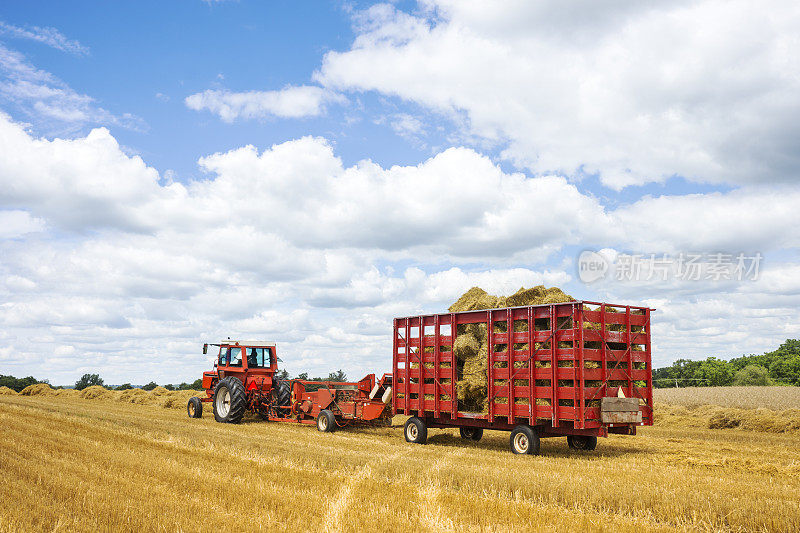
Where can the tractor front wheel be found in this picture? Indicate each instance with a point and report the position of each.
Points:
(326, 421)
(194, 408)
(229, 400)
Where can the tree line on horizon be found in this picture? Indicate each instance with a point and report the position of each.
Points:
(88, 380)
(779, 367)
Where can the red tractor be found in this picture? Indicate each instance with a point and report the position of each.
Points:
(244, 380)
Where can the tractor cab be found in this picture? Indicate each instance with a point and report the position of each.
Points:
(253, 362)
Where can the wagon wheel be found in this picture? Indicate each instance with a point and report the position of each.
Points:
(582, 442)
(524, 440)
(471, 433)
(416, 431)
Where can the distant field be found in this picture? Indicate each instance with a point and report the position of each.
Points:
(775, 398)
(73, 464)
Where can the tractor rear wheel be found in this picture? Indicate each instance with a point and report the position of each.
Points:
(229, 400)
(524, 440)
(326, 421)
(282, 394)
(582, 442)
(471, 433)
(416, 431)
(194, 408)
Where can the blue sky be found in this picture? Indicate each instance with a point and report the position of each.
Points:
(401, 153)
(144, 65)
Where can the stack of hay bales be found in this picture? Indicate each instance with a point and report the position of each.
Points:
(37, 390)
(472, 344)
(95, 392)
(158, 396)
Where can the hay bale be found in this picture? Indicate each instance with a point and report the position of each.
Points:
(133, 396)
(179, 398)
(94, 392)
(466, 347)
(158, 391)
(471, 345)
(40, 389)
(5, 391)
(476, 298)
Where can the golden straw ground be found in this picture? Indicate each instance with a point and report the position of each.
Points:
(75, 464)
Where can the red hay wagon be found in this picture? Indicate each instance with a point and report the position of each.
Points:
(578, 369)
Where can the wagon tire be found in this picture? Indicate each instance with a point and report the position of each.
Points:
(194, 408)
(415, 431)
(326, 421)
(582, 442)
(471, 433)
(524, 440)
(229, 400)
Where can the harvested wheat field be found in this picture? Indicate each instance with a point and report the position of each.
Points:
(774, 398)
(78, 464)
(766, 409)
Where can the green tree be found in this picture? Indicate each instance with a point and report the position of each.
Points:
(150, 386)
(88, 380)
(716, 372)
(125, 386)
(752, 375)
(18, 383)
(339, 375)
(282, 374)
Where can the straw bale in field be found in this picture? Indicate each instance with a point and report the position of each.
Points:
(158, 391)
(5, 391)
(94, 392)
(40, 389)
(472, 347)
(177, 399)
(133, 396)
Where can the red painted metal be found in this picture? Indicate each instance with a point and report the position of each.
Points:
(581, 327)
(349, 402)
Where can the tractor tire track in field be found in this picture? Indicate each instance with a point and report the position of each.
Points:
(343, 499)
(431, 513)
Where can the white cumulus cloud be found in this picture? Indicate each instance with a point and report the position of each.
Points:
(290, 102)
(635, 92)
